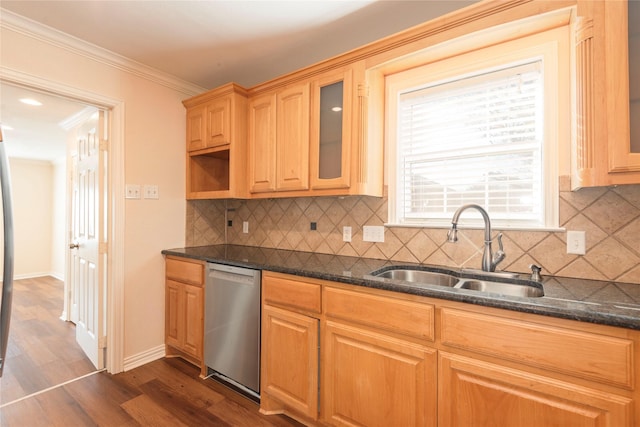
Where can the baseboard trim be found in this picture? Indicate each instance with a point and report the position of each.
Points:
(143, 358)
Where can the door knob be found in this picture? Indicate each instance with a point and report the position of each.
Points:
(74, 245)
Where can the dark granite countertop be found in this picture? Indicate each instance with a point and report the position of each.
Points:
(601, 302)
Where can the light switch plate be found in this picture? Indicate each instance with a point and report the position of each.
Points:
(151, 192)
(245, 226)
(132, 191)
(373, 233)
(576, 242)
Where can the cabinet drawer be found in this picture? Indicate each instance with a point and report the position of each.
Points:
(395, 315)
(291, 292)
(586, 355)
(185, 271)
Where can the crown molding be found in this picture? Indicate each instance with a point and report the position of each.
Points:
(46, 34)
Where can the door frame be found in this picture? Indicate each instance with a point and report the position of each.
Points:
(116, 215)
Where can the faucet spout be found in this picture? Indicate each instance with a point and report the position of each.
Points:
(489, 260)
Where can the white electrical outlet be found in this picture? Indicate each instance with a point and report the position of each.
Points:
(245, 226)
(373, 233)
(576, 242)
(151, 192)
(346, 234)
(132, 191)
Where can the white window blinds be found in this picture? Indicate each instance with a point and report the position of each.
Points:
(474, 139)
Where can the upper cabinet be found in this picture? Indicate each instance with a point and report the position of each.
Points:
(320, 130)
(279, 140)
(196, 128)
(331, 118)
(310, 139)
(217, 143)
(607, 46)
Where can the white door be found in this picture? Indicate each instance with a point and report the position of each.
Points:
(88, 255)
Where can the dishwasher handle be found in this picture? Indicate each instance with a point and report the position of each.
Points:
(232, 274)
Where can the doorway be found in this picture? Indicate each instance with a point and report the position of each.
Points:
(46, 132)
(114, 273)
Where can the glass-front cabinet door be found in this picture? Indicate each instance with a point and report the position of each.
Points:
(624, 138)
(331, 127)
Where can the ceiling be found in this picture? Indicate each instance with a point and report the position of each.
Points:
(38, 132)
(206, 43)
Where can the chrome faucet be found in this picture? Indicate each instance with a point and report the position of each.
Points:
(489, 260)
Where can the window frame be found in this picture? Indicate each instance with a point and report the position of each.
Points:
(550, 45)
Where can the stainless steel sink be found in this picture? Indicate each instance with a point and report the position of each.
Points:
(424, 277)
(510, 289)
(419, 276)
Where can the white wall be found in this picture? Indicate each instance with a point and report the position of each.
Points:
(31, 182)
(154, 144)
(58, 219)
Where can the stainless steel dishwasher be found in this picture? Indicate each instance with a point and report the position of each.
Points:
(232, 326)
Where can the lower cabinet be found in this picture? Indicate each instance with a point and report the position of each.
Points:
(290, 360)
(289, 348)
(377, 358)
(476, 393)
(371, 379)
(184, 318)
(184, 310)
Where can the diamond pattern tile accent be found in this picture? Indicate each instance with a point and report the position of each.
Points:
(611, 258)
(581, 269)
(631, 193)
(566, 211)
(551, 254)
(582, 198)
(630, 235)
(610, 212)
(609, 216)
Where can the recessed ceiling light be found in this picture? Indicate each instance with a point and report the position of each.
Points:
(336, 109)
(30, 101)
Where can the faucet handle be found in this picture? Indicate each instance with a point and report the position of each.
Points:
(499, 255)
(535, 273)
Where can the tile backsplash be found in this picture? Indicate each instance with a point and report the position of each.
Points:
(610, 216)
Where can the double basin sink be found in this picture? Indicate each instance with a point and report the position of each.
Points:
(501, 283)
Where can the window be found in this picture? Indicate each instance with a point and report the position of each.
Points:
(478, 128)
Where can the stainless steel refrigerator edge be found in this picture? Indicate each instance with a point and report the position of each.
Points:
(232, 326)
(7, 275)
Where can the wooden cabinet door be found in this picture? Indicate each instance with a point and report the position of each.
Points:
(196, 128)
(173, 313)
(262, 144)
(604, 152)
(477, 393)
(193, 320)
(370, 379)
(292, 129)
(290, 360)
(219, 122)
(184, 318)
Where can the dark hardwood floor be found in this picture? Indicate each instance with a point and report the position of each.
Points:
(166, 392)
(42, 354)
(42, 351)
